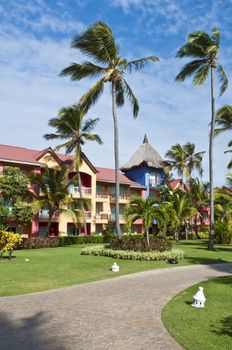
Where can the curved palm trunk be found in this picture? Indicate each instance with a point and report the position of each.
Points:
(211, 236)
(116, 157)
(82, 206)
(147, 237)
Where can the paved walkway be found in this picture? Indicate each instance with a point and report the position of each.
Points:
(121, 313)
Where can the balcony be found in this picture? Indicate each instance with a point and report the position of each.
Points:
(75, 191)
(122, 199)
(88, 215)
(102, 196)
(44, 214)
(113, 217)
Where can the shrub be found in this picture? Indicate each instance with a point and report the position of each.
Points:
(135, 243)
(203, 234)
(131, 255)
(39, 242)
(223, 232)
(9, 241)
(68, 240)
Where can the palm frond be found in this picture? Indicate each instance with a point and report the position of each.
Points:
(223, 120)
(119, 93)
(97, 42)
(222, 79)
(93, 137)
(216, 36)
(201, 75)
(190, 50)
(91, 97)
(79, 71)
(189, 69)
(90, 124)
(131, 97)
(140, 63)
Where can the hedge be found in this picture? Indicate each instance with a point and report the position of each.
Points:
(131, 255)
(139, 243)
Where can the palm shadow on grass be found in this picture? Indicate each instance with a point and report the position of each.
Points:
(225, 328)
(27, 333)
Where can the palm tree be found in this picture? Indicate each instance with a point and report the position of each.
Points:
(181, 203)
(71, 126)
(223, 122)
(53, 194)
(98, 43)
(193, 160)
(184, 160)
(204, 49)
(140, 208)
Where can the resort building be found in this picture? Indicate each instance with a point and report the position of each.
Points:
(143, 176)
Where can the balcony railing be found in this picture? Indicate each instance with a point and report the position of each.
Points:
(88, 214)
(102, 195)
(124, 197)
(102, 216)
(86, 191)
(44, 213)
(113, 217)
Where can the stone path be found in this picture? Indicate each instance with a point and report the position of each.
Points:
(121, 313)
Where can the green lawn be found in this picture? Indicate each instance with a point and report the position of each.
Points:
(209, 328)
(58, 267)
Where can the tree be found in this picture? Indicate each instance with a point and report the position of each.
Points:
(140, 208)
(53, 194)
(204, 49)
(71, 126)
(184, 160)
(98, 43)
(181, 203)
(223, 123)
(14, 194)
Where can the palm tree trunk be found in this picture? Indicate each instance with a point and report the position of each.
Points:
(50, 215)
(82, 206)
(211, 236)
(116, 157)
(147, 236)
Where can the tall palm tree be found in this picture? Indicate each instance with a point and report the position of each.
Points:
(223, 123)
(98, 43)
(204, 49)
(70, 125)
(193, 160)
(53, 194)
(184, 160)
(144, 209)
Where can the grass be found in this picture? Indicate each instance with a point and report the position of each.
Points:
(209, 328)
(51, 268)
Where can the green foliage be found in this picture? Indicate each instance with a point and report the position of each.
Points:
(203, 234)
(139, 244)
(8, 241)
(132, 255)
(14, 184)
(69, 240)
(167, 219)
(223, 232)
(39, 242)
(110, 227)
(23, 212)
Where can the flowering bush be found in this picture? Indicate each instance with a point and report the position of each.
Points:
(131, 255)
(9, 241)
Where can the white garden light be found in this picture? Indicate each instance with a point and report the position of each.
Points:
(199, 298)
(115, 267)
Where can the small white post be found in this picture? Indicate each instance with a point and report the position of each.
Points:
(115, 267)
(199, 298)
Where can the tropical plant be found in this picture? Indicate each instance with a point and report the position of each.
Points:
(8, 241)
(53, 194)
(223, 123)
(204, 49)
(184, 160)
(71, 125)
(140, 208)
(98, 43)
(181, 203)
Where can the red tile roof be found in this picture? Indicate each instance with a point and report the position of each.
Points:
(174, 183)
(19, 154)
(108, 175)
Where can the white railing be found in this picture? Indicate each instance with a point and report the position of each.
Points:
(88, 214)
(44, 213)
(75, 190)
(102, 216)
(113, 217)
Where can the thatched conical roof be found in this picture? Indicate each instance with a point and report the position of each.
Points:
(145, 154)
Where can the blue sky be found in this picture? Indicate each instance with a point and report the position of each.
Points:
(35, 41)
